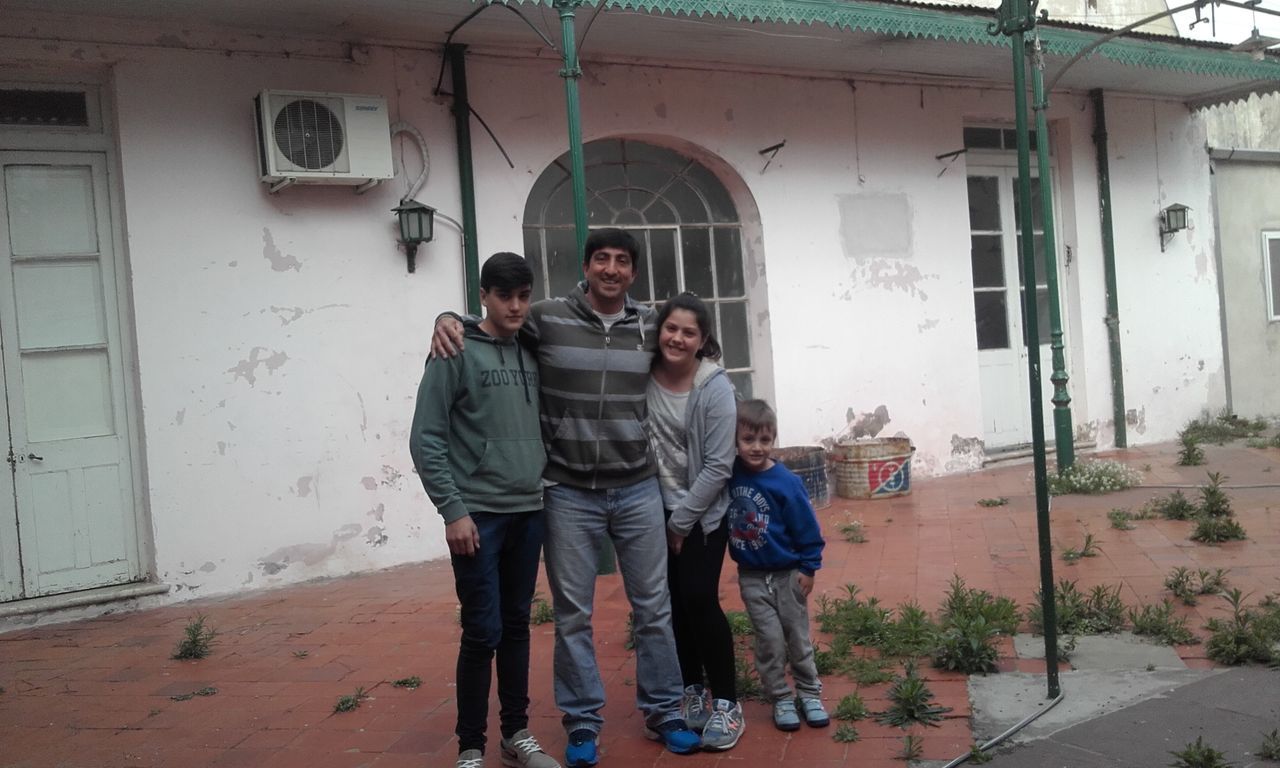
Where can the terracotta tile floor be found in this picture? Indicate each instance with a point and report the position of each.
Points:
(97, 693)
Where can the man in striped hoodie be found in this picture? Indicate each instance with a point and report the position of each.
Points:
(594, 350)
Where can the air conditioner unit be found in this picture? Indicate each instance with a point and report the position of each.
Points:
(322, 138)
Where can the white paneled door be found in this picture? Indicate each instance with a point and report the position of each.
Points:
(67, 510)
(999, 300)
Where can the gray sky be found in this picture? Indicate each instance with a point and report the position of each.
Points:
(1233, 24)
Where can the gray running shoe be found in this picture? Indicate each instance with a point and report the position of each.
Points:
(522, 751)
(725, 726)
(471, 758)
(695, 707)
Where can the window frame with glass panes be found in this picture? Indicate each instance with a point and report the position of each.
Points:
(684, 218)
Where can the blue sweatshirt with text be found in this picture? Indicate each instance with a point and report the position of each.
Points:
(772, 525)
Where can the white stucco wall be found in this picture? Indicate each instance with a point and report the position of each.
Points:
(280, 339)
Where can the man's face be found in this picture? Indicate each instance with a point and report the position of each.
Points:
(609, 272)
(505, 308)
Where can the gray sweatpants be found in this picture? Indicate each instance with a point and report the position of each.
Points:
(779, 613)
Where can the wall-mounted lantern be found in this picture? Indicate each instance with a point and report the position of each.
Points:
(1172, 220)
(417, 225)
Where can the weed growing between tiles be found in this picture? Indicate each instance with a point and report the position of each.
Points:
(1089, 548)
(845, 734)
(351, 701)
(911, 702)
(206, 691)
(1187, 585)
(540, 610)
(1197, 754)
(1093, 476)
(1160, 623)
(977, 756)
(851, 707)
(1248, 635)
(1000, 502)
(301, 654)
(1270, 749)
(912, 746)
(412, 683)
(197, 640)
(853, 532)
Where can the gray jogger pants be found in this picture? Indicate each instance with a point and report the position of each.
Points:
(779, 613)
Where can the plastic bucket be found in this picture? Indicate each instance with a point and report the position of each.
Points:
(873, 469)
(809, 462)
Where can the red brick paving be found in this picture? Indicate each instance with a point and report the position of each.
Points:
(96, 693)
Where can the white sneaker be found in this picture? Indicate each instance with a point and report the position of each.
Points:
(724, 727)
(695, 707)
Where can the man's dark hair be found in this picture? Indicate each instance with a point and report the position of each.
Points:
(757, 416)
(505, 271)
(611, 238)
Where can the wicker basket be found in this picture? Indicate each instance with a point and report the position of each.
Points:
(873, 469)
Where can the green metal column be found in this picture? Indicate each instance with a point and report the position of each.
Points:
(1062, 430)
(1014, 18)
(1109, 267)
(571, 72)
(457, 55)
(606, 561)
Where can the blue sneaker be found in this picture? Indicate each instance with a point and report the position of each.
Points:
(582, 751)
(676, 735)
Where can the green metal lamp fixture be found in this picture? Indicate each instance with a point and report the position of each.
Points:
(417, 226)
(1172, 220)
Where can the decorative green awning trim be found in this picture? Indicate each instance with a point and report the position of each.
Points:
(954, 26)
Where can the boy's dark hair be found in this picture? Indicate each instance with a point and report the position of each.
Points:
(689, 302)
(505, 271)
(611, 238)
(756, 415)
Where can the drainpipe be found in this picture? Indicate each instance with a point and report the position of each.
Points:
(457, 55)
(1062, 431)
(1109, 267)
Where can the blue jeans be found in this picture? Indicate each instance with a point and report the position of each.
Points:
(578, 519)
(495, 589)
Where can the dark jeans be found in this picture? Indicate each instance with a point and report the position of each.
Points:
(704, 642)
(495, 588)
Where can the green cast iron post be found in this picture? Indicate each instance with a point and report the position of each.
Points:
(606, 562)
(571, 72)
(1014, 19)
(1062, 431)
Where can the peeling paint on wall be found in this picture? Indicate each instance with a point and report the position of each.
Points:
(967, 453)
(375, 536)
(290, 314)
(927, 325)
(208, 567)
(1136, 418)
(222, 448)
(307, 554)
(369, 483)
(391, 476)
(377, 512)
(865, 424)
(246, 369)
(888, 274)
(1087, 432)
(303, 488)
(179, 416)
(279, 262)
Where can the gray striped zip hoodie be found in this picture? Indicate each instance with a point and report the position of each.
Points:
(593, 386)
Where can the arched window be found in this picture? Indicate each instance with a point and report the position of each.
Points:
(684, 218)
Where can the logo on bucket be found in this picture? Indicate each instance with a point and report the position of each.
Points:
(888, 476)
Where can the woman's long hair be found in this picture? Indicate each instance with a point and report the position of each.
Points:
(710, 348)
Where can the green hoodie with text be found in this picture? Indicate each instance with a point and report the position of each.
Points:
(476, 440)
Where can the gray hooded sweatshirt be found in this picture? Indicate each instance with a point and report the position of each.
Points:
(711, 420)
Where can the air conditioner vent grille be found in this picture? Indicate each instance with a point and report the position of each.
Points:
(309, 134)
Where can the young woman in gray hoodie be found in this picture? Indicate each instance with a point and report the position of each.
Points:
(691, 425)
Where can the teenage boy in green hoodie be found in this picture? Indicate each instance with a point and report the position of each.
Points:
(477, 445)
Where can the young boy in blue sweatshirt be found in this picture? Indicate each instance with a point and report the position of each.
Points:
(477, 445)
(775, 540)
